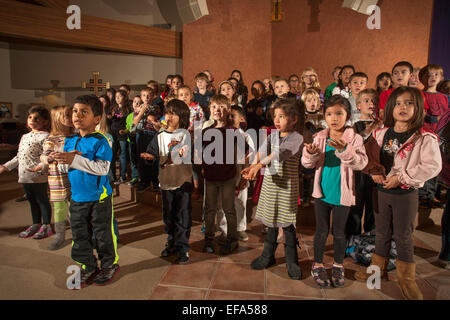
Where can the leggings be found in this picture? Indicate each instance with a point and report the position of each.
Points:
(37, 195)
(60, 210)
(340, 214)
(395, 219)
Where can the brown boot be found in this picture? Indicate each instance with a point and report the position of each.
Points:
(382, 263)
(406, 274)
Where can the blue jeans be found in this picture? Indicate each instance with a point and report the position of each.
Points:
(120, 146)
(445, 251)
(133, 158)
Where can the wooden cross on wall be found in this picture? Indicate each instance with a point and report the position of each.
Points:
(277, 11)
(96, 84)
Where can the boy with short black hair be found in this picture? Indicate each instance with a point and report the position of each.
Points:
(401, 73)
(87, 157)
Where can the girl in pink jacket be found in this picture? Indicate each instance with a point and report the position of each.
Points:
(335, 153)
(402, 156)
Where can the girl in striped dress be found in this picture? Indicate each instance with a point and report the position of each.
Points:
(278, 203)
(58, 182)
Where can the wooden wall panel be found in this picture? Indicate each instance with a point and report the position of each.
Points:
(48, 24)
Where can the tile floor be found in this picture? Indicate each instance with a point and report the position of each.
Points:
(215, 277)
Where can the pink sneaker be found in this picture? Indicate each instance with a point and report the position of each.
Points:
(30, 231)
(44, 232)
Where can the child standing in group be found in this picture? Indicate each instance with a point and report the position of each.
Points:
(177, 82)
(228, 89)
(158, 101)
(401, 73)
(132, 150)
(344, 79)
(278, 202)
(118, 131)
(430, 76)
(171, 147)
(330, 88)
(87, 157)
(403, 155)
(294, 83)
(197, 117)
(256, 109)
(335, 153)
(314, 122)
(414, 80)
(383, 82)
(309, 79)
(202, 96)
(241, 88)
(240, 200)
(58, 181)
(35, 184)
(220, 176)
(185, 94)
(367, 104)
(146, 125)
(167, 87)
(358, 82)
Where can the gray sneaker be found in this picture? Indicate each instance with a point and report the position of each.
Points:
(243, 236)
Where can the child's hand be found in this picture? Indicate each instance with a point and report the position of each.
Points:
(391, 183)
(376, 124)
(183, 151)
(51, 157)
(147, 156)
(35, 169)
(66, 157)
(122, 132)
(3, 169)
(250, 173)
(378, 178)
(312, 148)
(144, 109)
(339, 145)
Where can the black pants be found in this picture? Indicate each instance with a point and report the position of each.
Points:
(340, 215)
(148, 171)
(363, 194)
(87, 218)
(176, 208)
(37, 196)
